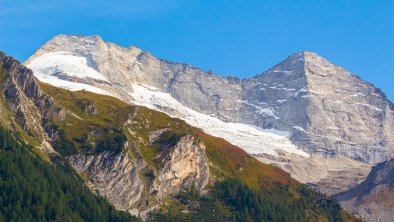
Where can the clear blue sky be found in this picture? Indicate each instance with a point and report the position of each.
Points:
(240, 38)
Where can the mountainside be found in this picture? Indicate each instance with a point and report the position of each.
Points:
(301, 109)
(322, 108)
(141, 160)
(373, 199)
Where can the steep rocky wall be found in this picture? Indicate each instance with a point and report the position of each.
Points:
(113, 176)
(122, 179)
(25, 101)
(187, 165)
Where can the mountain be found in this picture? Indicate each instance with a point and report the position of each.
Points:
(373, 199)
(78, 143)
(302, 109)
(323, 109)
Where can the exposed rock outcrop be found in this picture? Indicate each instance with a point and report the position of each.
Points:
(113, 176)
(122, 179)
(185, 166)
(30, 109)
(18, 89)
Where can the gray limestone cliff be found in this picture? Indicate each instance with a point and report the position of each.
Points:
(122, 179)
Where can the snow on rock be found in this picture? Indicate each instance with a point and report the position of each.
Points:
(266, 112)
(252, 139)
(72, 86)
(49, 68)
(63, 63)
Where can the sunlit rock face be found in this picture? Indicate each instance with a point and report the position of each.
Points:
(121, 179)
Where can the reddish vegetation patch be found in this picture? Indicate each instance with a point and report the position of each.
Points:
(235, 162)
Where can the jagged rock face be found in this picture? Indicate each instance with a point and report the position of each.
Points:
(373, 199)
(347, 116)
(113, 176)
(22, 96)
(187, 165)
(328, 111)
(118, 178)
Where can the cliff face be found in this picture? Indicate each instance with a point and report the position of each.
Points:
(373, 199)
(113, 176)
(24, 106)
(186, 165)
(18, 86)
(328, 111)
(122, 179)
(331, 111)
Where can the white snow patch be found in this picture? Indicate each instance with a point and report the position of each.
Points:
(289, 89)
(357, 94)
(283, 71)
(67, 63)
(252, 139)
(367, 105)
(265, 111)
(72, 86)
(299, 128)
(46, 67)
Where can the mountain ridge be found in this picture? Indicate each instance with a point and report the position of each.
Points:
(291, 91)
(98, 38)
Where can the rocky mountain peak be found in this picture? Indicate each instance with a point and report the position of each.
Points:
(291, 65)
(93, 48)
(306, 63)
